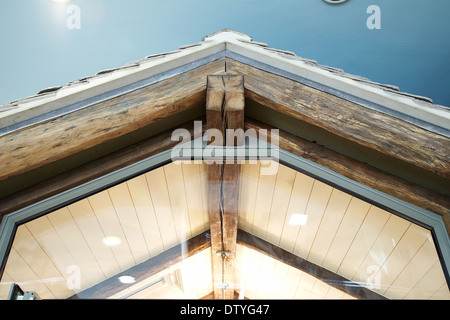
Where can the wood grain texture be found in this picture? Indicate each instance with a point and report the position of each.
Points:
(90, 171)
(215, 224)
(381, 132)
(50, 141)
(224, 112)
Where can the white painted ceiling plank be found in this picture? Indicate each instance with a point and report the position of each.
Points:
(94, 236)
(348, 229)
(315, 209)
(331, 220)
(31, 252)
(298, 202)
(363, 241)
(158, 190)
(104, 211)
(193, 184)
(146, 214)
(126, 213)
(73, 240)
(178, 201)
(280, 203)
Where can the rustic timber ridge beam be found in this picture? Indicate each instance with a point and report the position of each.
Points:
(352, 288)
(148, 268)
(224, 114)
(59, 138)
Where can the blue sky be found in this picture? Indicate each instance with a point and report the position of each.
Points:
(411, 50)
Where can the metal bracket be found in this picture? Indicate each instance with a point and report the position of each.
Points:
(224, 254)
(16, 293)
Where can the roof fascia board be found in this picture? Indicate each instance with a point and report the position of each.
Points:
(233, 45)
(434, 123)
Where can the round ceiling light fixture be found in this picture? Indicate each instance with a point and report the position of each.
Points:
(127, 279)
(335, 1)
(111, 241)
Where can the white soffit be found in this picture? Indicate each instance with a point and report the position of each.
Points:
(106, 84)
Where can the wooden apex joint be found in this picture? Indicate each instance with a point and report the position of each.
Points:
(225, 109)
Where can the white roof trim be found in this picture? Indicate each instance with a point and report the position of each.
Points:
(223, 41)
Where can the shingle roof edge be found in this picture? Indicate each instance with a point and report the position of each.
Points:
(232, 39)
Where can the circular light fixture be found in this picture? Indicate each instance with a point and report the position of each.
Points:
(60, 1)
(127, 279)
(111, 241)
(298, 219)
(335, 1)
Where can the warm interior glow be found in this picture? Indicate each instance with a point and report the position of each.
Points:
(298, 219)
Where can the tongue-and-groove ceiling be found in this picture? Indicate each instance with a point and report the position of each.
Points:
(155, 211)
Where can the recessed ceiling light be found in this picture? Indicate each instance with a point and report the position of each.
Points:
(298, 219)
(111, 241)
(60, 1)
(127, 279)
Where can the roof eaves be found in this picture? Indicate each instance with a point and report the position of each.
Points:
(382, 97)
(388, 95)
(337, 71)
(135, 71)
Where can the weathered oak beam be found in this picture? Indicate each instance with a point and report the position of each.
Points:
(359, 172)
(224, 114)
(148, 268)
(47, 142)
(375, 130)
(331, 278)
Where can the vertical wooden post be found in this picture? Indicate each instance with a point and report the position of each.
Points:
(225, 116)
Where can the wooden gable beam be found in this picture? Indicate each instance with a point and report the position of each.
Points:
(333, 279)
(91, 170)
(154, 105)
(224, 114)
